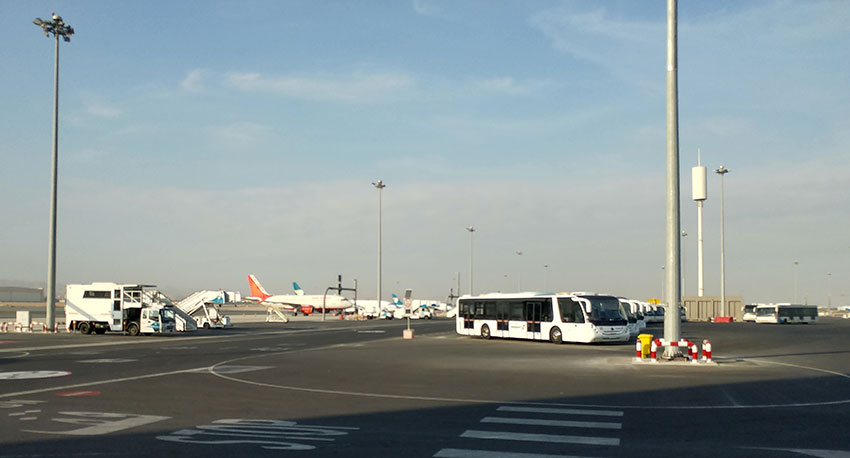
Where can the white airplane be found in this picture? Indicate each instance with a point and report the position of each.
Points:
(298, 302)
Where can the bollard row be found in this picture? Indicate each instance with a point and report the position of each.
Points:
(687, 344)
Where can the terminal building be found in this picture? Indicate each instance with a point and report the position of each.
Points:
(21, 294)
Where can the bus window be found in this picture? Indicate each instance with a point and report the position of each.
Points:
(517, 312)
(546, 311)
(570, 310)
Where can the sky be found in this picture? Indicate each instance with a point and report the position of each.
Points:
(202, 141)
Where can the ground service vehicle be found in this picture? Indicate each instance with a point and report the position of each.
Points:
(101, 307)
(750, 312)
(558, 318)
(786, 313)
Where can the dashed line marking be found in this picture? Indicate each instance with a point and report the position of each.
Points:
(551, 438)
(561, 423)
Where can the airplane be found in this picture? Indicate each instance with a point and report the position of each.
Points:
(298, 302)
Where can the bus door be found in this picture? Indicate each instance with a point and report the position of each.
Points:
(533, 312)
(503, 316)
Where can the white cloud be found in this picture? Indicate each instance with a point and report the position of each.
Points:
(101, 110)
(193, 82)
(355, 87)
(424, 7)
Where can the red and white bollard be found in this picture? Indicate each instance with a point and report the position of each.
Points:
(653, 350)
(706, 350)
(639, 355)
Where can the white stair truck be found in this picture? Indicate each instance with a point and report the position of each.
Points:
(202, 306)
(101, 307)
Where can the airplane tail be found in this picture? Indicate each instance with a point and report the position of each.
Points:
(298, 290)
(257, 290)
(396, 301)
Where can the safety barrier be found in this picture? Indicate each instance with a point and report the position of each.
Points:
(14, 326)
(706, 350)
(692, 347)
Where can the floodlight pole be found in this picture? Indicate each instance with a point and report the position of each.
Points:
(722, 171)
(58, 28)
(471, 230)
(673, 226)
(380, 186)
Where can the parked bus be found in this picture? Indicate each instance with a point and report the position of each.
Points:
(750, 312)
(786, 313)
(558, 318)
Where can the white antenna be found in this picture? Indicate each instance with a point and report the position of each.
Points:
(699, 188)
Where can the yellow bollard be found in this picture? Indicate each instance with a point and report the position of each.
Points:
(645, 344)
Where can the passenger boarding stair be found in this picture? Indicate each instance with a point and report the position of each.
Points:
(208, 301)
(275, 314)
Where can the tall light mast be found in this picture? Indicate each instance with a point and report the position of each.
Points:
(700, 193)
(673, 226)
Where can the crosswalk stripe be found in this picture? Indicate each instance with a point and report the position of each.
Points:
(601, 413)
(464, 453)
(538, 422)
(554, 438)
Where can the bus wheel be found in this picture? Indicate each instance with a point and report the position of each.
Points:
(555, 335)
(485, 332)
(133, 329)
(84, 327)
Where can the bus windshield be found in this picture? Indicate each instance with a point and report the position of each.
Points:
(605, 310)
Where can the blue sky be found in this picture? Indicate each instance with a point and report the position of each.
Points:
(203, 141)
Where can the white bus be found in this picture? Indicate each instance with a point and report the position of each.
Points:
(786, 313)
(750, 312)
(558, 318)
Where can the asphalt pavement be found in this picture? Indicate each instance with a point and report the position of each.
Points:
(356, 388)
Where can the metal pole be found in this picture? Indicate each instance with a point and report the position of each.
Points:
(545, 277)
(684, 264)
(700, 272)
(57, 27)
(471, 230)
(380, 185)
(51, 249)
(671, 318)
(722, 171)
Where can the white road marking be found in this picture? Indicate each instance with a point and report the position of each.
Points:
(551, 438)
(560, 423)
(107, 360)
(98, 382)
(464, 453)
(269, 434)
(14, 404)
(23, 354)
(600, 413)
(99, 423)
(235, 369)
(21, 375)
